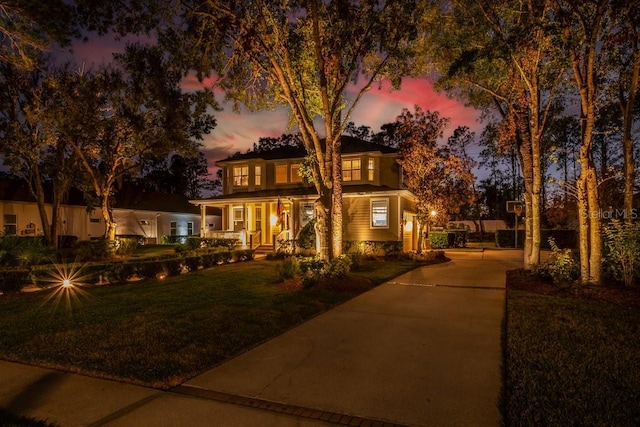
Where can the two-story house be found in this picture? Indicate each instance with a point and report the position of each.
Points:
(265, 199)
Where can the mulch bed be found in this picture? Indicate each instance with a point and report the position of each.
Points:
(351, 283)
(522, 280)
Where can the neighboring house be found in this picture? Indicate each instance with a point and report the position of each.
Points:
(265, 199)
(149, 216)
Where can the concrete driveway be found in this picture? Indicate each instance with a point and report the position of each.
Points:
(421, 350)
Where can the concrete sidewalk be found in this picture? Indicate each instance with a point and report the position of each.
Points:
(421, 350)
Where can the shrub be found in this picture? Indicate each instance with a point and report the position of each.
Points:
(193, 262)
(149, 269)
(562, 238)
(312, 270)
(288, 268)
(223, 257)
(276, 255)
(561, 268)
(307, 237)
(339, 267)
(622, 250)
(243, 254)
(173, 240)
(14, 280)
(126, 245)
(372, 247)
(208, 259)
(120, 272)
(439, 239)
(96, 249)
(228, 244)
(23, 251)
(173, 267)
(67, 241)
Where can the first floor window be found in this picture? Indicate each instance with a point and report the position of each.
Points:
(190, 229)
(10, 224)
(351, 170)
(306, 212)
(173, 227)
(240, 176)
(380, 213)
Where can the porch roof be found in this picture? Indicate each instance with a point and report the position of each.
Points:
(301, 192)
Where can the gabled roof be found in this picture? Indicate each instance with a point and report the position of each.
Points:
(350, 145)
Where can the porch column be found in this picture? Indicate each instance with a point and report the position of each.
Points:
(203, 221)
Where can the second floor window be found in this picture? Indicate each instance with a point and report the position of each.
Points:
(351, 170)
(240, 176)
(371, 170)
(282, 174)
(295, 173)
(258, 175)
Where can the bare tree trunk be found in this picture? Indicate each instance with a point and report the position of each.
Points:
(595, 238)
(35, 185)
(323, 226)
(583, 229)
(420, 237)
(336, 200)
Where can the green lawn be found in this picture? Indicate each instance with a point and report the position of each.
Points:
(571, 362)
(162, 332)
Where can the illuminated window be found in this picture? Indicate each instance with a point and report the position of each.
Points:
(240, 176)
(238, 218)
(295, 173)
(380, 213)
(258, 173)
(351, 170)
(282, 174)
(10, 224)
(307, 212)
(371, 169)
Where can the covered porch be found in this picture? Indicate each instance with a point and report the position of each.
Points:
(258, 222)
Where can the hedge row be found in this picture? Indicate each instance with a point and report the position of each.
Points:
(448, 239)
(563, 238)
(118, 272)
(373, 247)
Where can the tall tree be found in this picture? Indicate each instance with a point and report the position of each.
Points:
(584, 26)
(135, 110)
(622, 51)
(31, 107)
(303, 54)
(500, 57)
(441, 180)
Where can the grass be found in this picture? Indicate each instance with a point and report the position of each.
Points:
(571, 362)
(161, 333)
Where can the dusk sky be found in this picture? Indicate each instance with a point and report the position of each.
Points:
(238, 131)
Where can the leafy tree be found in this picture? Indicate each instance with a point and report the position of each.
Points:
(133, 111)
(267, 144)
(583, 27)
(500, 56)
(304, 55)
(28, 28)
(176, 174)
(621, 47)
(441, 180)
(31, 108)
